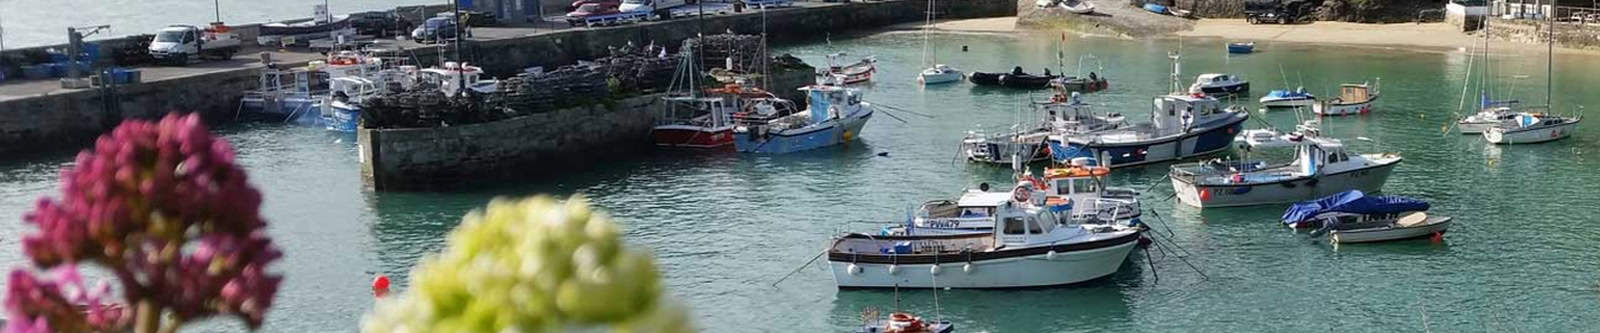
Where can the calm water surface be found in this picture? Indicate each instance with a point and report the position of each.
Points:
(724, 227)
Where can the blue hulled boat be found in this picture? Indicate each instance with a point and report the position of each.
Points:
(1181, 126)
(1242, 47)
(834, 115)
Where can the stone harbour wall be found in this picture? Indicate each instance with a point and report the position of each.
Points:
(523, 147)
(1568, 34)
(72, 119)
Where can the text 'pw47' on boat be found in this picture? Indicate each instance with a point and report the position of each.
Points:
(1529, 127)
(1321, 167)
(1030, 246)
(834, 115)
(857, 72)
(1353, 99)
(1062, 115)
(1355, 217)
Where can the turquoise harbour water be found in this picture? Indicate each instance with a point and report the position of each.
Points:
(725, 227)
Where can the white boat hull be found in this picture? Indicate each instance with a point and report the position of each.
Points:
(1389, 233)
(1470, 127)
(1343, 109)
(1023, 271)
(937, 77)
(1369, 180)
(1536, 135)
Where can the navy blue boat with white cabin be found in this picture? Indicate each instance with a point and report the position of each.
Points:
(1181, 126)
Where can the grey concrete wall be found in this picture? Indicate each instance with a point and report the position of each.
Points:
(72, 119)
(522, 147)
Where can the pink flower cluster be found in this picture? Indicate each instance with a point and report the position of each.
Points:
(163, 207)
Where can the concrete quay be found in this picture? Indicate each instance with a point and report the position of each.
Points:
(39, 116)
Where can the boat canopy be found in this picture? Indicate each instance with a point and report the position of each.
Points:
(1354, 202)
(1288, 93)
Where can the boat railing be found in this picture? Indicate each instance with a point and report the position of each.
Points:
(1217, 167)
(892, 246)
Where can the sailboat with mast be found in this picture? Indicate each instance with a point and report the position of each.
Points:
(1537, 127)
(1490, 112)
(939, 73)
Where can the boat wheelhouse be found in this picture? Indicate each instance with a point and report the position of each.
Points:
(1353, 99)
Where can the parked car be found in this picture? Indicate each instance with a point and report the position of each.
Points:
(585, 11)
(1277, 11)
(602, 3)
(440, 28)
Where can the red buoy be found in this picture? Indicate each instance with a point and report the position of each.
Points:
(380, 286)
(1205, 194)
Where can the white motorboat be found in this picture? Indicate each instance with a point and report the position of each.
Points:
(1288, 99)
(1219, 84)
(1532, 128)
(1354, 217)
(1061, 115)
(940, 73)
(1079, 7)
(1353, 99)
(1030, 246)
(1322, 166)
(852, 73)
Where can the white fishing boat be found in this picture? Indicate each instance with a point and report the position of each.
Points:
(1030, 246)
(1181, 126)
(1079, 7)
(1063, 114)
(938, 73)
(1354, 217)
(1322, 166)
(1219, 84)
(1353, 99)
(852, 73)
(1532, 128)
(834, 115)
(1288, 98)
(1078, 192)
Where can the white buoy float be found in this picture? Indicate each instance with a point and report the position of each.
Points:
(967, 268)
(933, 270)
(1050, 255)
(894, 269)
(853, 269)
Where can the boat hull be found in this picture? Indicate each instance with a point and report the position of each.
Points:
(1037, 270)
(1342, 109)
(1025, 81)
(294, 110)
(1370, 179)
(1372, 235)
(936, 77)
(1530, 135)
(1170, 148)
(1288, 102)
(808, 138)
(1241, 48)
(1470, 127)
(983, 151)
(692, 137)
(341, 118)
(1226, 90)
(984, 79)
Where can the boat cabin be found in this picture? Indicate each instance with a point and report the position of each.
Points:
(352, 89)
(1016, 226)
(1215, 80)
(708, 112)
(450, 77)
(1177, 113)
(1318, 153)
(1355, 93)
(828, 101)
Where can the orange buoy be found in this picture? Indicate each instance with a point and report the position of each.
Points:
(380, 285)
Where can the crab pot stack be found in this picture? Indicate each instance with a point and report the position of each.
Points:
(563, 87)
(425, 108)
(747, 52)
(641, 72)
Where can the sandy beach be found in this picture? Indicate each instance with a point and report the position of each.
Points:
(1425, 35)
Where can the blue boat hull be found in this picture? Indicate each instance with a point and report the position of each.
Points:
(1204, 141)
(1241, 49)
(342, 119)
(782, 142)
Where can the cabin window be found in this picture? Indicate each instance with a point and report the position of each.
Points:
(1085, 186)
(1033, 226)
(1349, 219)
(1014, 225)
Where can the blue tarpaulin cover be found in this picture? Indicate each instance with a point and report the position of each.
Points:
(1352, 201)
(1288, 93)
